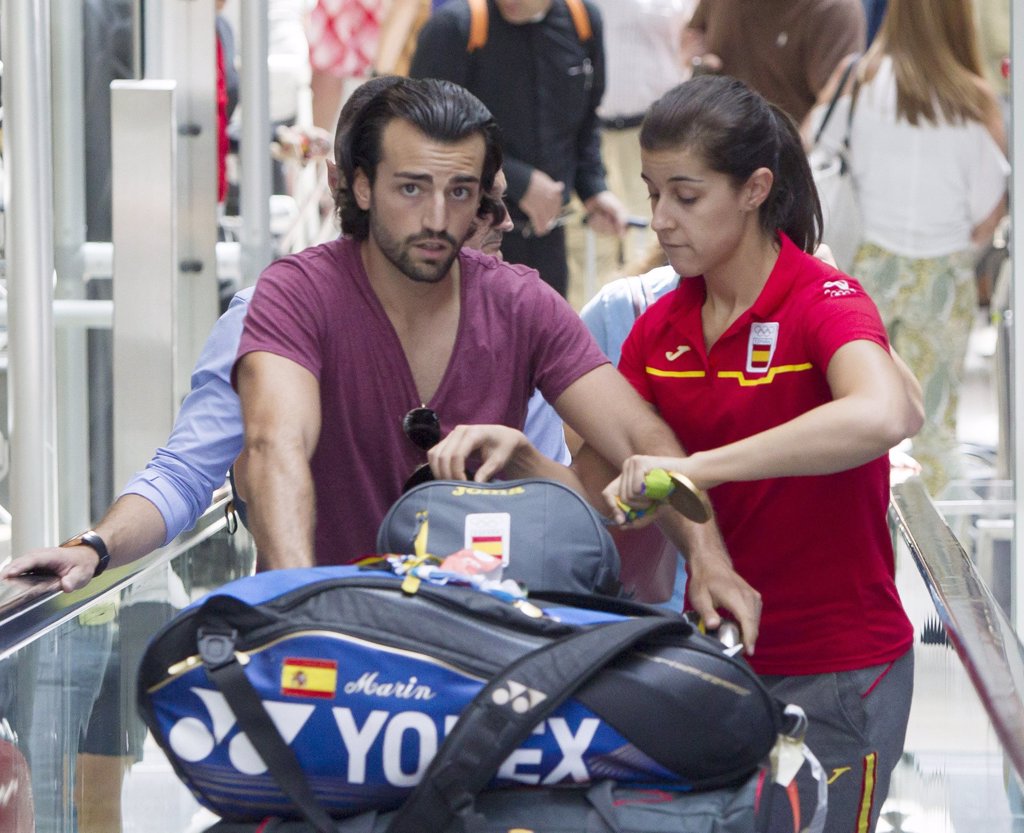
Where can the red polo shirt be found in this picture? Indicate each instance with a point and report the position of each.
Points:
(817, 548)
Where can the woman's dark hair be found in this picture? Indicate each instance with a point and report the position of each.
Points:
(441, 110)
(736, 132)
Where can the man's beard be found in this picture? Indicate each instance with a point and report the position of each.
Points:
(398, 253)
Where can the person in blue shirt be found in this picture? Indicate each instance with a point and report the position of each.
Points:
(651, 567)
(176, 486)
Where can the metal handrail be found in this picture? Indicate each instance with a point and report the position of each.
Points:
(27, 613)
(975, 624)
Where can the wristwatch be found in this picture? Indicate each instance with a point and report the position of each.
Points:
(91, 539)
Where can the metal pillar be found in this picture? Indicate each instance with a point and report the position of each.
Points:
(254, 186)
(1017, 299)
(146, 268)
(180, 44)
(69, 240)
(31, 388)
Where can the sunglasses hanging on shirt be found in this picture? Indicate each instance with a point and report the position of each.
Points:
(423, 428)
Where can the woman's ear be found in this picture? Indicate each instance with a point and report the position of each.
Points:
(362, 189)
(756, 189)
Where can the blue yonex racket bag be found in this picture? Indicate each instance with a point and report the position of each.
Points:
(335, 686)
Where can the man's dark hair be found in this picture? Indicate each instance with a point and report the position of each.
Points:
(359, 98)
(441, 110)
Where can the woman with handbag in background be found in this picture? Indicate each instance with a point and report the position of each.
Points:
(927, 155)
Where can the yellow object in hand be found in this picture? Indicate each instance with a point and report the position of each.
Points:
(658, 484)
(661, 485)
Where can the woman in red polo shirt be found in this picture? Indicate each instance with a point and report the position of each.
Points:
(775, 372)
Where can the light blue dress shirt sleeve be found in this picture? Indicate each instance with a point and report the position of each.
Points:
(610, 315)
(207, 434)
(543, 428)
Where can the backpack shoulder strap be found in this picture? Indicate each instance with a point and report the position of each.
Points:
(637, 296)
(478, 25)
(508, 708)
(580, 19)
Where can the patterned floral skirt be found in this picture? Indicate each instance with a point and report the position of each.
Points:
(928, 307)
(343, 36)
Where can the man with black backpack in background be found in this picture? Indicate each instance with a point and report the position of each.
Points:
(538, 66)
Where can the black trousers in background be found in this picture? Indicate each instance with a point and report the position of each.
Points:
(545, 254)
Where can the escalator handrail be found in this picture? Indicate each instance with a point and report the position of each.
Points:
(26, 617)
(975, 624)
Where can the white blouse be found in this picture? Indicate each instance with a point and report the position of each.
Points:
(923, 188)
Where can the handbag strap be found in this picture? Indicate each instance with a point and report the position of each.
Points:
(640, 295)
(506, 711)
(217, 650)
(849, 113)
(835, 100)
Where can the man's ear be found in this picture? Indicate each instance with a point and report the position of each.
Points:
(756, 188)
(362, 189)
(333, 176)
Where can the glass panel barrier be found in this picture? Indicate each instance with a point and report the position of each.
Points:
(67, 690)
(964, 753)
(67, 704)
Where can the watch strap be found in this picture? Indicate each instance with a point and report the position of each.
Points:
(91, 539)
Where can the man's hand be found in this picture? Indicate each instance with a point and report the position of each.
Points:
(616, 497)
(74, 566)
(712, 583)
(495, 445)
(606, 214)
(132, 527)
(500, 450)
(542, 202)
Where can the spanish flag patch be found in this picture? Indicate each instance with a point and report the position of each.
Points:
(490, 544)
(764, 336)
(309, 678)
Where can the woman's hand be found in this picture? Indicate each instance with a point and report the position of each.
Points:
(629, 487)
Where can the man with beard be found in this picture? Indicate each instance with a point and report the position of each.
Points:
(345, 340)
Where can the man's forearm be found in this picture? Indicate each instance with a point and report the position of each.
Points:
(649, 432)
(281, 499)
(612, 418)
(693, 540)
(132, 528)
